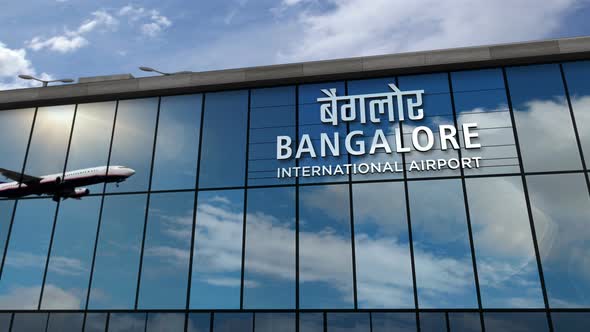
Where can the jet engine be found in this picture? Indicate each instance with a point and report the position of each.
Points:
(77, 193)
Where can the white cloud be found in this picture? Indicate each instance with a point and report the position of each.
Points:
(153, 22)
(354, 27)
(71, 41)
(12, 63)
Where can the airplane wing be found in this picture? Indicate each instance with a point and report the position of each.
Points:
(19, 177)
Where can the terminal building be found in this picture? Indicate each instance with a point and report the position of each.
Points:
(430, 191)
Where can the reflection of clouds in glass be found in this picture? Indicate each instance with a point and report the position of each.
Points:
(581, 107)
(546, 136)
(560, 204)
(503, 243)
(28, 298)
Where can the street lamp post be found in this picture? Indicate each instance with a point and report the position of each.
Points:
(152, 70)
(45, 82)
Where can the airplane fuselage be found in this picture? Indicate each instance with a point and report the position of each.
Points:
(65, 184)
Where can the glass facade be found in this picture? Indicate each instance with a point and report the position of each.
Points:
(204, 236)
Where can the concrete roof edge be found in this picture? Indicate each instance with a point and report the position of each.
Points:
(471, 57)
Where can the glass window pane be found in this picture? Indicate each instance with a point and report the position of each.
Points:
(272, 114)
(576, 74)
(114, 282)
(133, 142)
(348, 322)
(232, 322)
(383, 264)
(127, 322)
(65, 322)
(311, 322)
(543, 121)
(95, 322)
(5, 319)
(15, 128)
(438, 110)
(68, 272)
(166, 251)
(91, 139)
(515, 321)
(164, 322)
(442, 254)
(29, 322)
(269, 276)
(325, 250)
(223, 151)
(369, 87)
(199, 322)
(49, 143)
(399, 322)
(6, 210)
(433, 322)
(506, 261)
(561, 210)
(177, 144)
(20, 286)
(464, 322)
(272, 322)
(570, 321)
(480, 97)
(217, 257)
(310, 123)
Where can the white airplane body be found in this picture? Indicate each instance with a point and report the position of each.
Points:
(61, 185)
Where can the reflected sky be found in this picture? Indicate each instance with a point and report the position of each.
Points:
(367, 87)
(444, 269)
(127, 322)
(269, 280)
(198, 322)
(166, 251)
(116, 266)
(400, 322)
(543, 121)
(506, 262)
(325, 249)
(71, 255)
(217, 261)
(49, 143)
(233, 322)
(348, 322)
(311, 322)
(433, 322)
(576, 74)
(310, 123)
(383, 263)
(91, 138)
(480, 97)
(177, 143)
(133, 142)
(6, 209)
(437, 110)
(95, 322)
(223, 152)
(510, 321)
(464, 322)
(272, 114)
(65, 322)
(27, 322)
(272, 322)
(20, 286)
(15, 127)
(163, 322)
(561, 210)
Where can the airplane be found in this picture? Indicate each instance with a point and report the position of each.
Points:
(66, 185)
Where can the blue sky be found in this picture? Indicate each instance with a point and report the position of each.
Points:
(74, 38)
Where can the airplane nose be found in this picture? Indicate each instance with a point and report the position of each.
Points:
(131, 172)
